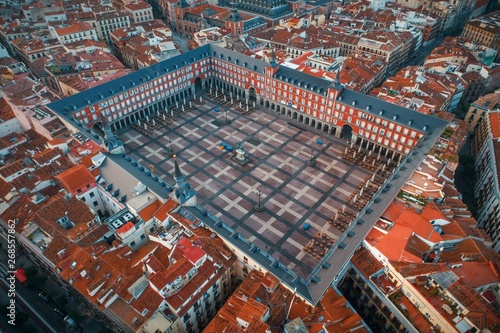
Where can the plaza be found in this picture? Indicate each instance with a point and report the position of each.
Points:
(295, 196)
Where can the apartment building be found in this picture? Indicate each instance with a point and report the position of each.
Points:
(485, 149)
(139, 11)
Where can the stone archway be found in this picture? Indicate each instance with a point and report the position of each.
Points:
(346, 132)
(198, 84)
(252, 95)
(97, 128)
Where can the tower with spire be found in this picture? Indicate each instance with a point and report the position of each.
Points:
(112, 143)
(183, 193)
(235, 22)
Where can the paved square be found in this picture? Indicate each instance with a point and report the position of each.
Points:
(293, 193)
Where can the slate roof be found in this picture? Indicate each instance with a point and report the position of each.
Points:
(404, 115)
(115, 87)
(306, 81)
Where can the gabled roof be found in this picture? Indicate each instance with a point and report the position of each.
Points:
(162, 213)
(75, 178)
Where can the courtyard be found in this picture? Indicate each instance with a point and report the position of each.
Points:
(306, 208)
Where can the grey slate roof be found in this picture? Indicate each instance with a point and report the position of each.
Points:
(296, 77)
(318, 85)
(252, 23)
(389, 111)
(109, 89)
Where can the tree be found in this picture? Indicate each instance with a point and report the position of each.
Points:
(31, 271)
(77, 316)
(35, 280)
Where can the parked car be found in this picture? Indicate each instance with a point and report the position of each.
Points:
(60, 313)
(70, 321)
(44, 297)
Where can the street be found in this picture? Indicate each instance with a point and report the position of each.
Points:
(181, 41)
(419, 56)
(43, 318)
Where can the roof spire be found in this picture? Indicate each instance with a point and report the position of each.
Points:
(183, 194)
(178, 173)
(337, 79)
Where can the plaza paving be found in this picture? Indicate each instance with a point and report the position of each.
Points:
(293, 193)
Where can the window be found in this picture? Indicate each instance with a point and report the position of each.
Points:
(92, 194)
(95, 204)
(132, 244)
(143, 236)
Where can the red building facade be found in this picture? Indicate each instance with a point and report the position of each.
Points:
(304, 99)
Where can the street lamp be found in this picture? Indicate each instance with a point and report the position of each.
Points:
(171, 147)
(311, 161)
(259, 207)
(228, 121)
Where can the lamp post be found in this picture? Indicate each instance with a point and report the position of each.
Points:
(227, 120)
(171, 148)
(311, 161)
(259, 207)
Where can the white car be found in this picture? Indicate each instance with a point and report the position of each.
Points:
(70, 321)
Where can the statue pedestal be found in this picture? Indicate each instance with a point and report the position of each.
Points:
(240, 157)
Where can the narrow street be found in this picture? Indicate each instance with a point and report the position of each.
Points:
(45, 319)
(418, 57)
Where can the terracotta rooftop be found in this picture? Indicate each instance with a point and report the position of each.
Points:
(146, 213)
(137, 5)
(162, 212)
(148, 302)
(494, 118)
(482, 314)
(6, 112)
(74, 28)
(75, 178)
(11, 139)
(12, 168)
(366, 263)
(392, 242)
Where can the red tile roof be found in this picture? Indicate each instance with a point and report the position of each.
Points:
(194, 254)
(74, 28)
(147, 213)
(148, 302)
(126, 227)
(75, 178)
(494, 124)
(162, 213)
